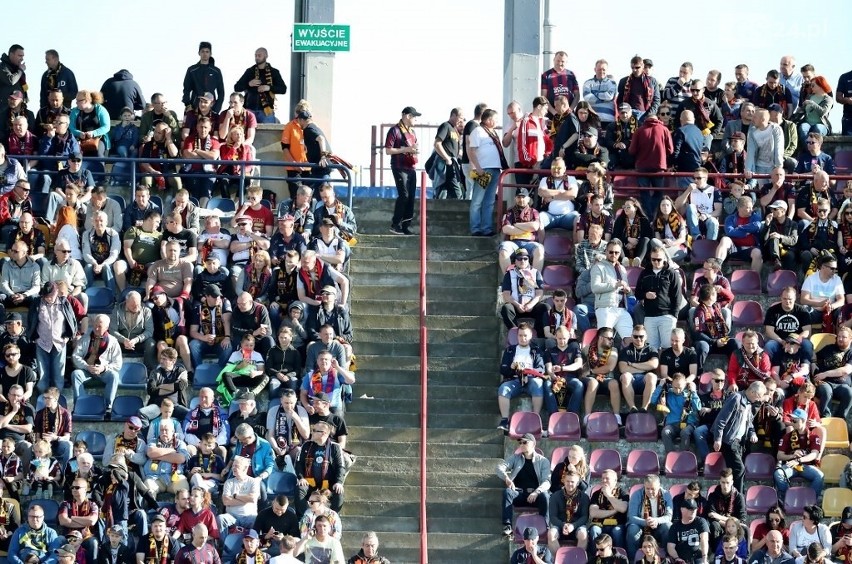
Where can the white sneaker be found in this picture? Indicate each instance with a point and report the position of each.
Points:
(618, 418)
(585, 420)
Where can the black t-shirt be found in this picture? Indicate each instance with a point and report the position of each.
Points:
(287, 523)
(527, 478)
(787, 322)
(686, 538)
(468, 129)
(186, 239)
(831, 357)
(715, 405)
(337, 423)
(313, 150)
(25, 376)
(563, 358)
(449, 138)
(678, 363)
(25, 416)
(636, 356)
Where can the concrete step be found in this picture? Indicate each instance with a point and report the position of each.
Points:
(482, 525)
(451, 268)
(437, 495)
(437, 392)
(412, 464)
(433, 479)
(412, 322)
(381, 252)
(487, 423)
(401, 308)
(471, 362)
(387, 204)
(433, 229)
(484, 293)
(479, 505)
(443, 243)
(411, 348)
(434, 282)
(390, 334)
(412, 404)
(445, 450)
(481, 378)
(435, 436)
(458, 548)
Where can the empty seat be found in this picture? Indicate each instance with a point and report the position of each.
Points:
(557, 276)
(713, 465)
(604, 459)
(523, 422)
(633, 274)
(702, 249)
(797, 498)
(747, 313)
(233, 543)
(205, 375)
(589, 336)
(837, 435)
(89, 408)
(558, 248)
(640, 427)
(832, 466)
(226, 205)
(820, 340)
(120, 199)
(602, 426)
(780, 279)
(281, 483)
(759, 466)
(101, 300)
(642, 462)
(558, 455)
(39, 202)
(95, 442)
(681, 464)
(530, 520)
(51, 510)
(564, 426)
(571, 555)
(705, 384)
(158, 201)
(133, 375)
(843, 161)
(677, 489)
(759, 499)
(745, 282)
(834, 500)
(125, 407)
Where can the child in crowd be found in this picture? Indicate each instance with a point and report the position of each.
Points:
(294, 320)
(10, 465)
(729, 204)
(734, 162)
(205, 469)
(125, 139)
(847, 197)
(44, 471)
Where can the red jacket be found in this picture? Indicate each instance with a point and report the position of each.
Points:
(792, 403)
(651, 146)
(741, 376)
(528, 140)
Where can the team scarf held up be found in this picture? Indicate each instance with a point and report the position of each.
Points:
(267, 99)
(156, 555)
(714, 321)
(313, 280)
(317, 385)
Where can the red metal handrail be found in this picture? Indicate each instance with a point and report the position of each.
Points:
(501, 184)
(424, 373)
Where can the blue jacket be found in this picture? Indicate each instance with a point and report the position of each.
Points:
(634, 508)
(103, 119)
(18, 550)
(688, 142)
(751, 228)
(509, 354)
(262, 461)
(675, 403)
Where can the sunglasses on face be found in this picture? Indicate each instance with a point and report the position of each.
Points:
(656, 260)
(664, 114)
(638, 336)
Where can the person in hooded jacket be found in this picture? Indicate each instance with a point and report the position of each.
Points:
(120, 91)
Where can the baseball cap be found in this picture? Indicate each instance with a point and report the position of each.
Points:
(304, 114)
(243, 219)
(16, 95)
(135, 421)
(74, 533)
(799, 414)
(321, 396)
(794, 339)
(778, 204)
(590, 132)
(522, 192)
(329, 289)
(213, 290)
(689, 504)
(408, 110)
(286, 217)
(737, 135)
(75, 156)
(520, 253)
(625, 108)
(66, 550)
(846, 518)
(158, 517)
(250, 534)
(529, 437)
(14, 316)
(157, 290)
(530, 533)
(245, 396)
(208, 96)
(775, 108)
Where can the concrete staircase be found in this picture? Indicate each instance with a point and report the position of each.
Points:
(382, 490)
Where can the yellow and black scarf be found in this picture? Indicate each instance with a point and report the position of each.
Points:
(267, 99)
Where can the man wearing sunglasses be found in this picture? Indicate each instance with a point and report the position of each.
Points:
(81, 515)
(637, 363)
(524, 487)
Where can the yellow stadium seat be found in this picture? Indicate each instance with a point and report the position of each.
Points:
(834, 500)
(820, 340)
(832, 466)
(837, 435)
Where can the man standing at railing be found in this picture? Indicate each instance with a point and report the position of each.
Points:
(401, 146)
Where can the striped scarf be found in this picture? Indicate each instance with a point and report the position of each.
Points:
(267, 99)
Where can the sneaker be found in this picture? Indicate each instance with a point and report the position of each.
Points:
(585, 420)
(504, 425)
(406, 231)
(507, 530)
(108, 414)
(633, 409)
(544, 434)
(618, 419)
(396, 230)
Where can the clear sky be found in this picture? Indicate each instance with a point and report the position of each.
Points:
(431, 54)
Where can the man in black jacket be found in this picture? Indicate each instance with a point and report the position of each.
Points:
(260, 84)
(203, 76)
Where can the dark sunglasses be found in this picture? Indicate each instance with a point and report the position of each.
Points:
(664, 114)
(76, 487)
(656, 260)
(719, 381)
(638, 336)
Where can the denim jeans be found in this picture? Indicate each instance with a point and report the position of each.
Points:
(52, 367)
(106, 273)
(575, 394)
(513, 388)
(812, 474)
(263, 118)
(564, 221)
(702, 446)
(659, 330)
(109, 378)
(197, 350)
(711, 224)
(805, 128)
(482, 205)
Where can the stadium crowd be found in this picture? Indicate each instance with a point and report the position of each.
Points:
(211, 314)
(600, 296)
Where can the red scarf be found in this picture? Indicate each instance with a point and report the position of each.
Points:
(312, 281)
(317, 385)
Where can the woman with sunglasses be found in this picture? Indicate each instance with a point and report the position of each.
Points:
(774, 521)
(319, 504)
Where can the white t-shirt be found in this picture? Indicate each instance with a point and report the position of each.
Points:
(245, 487)
(523, 356)
(221, 254)
(820, 289)
(327, 552)
(485, 147)
(702, 199)
(560, 207)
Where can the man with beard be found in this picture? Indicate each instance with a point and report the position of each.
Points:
(260, 84)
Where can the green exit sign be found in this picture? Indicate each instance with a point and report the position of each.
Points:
(320, 37)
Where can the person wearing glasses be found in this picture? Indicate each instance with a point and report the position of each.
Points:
(659, 291)
(314, 475)
(701, 204)
(711, 405)
(823, 291)
(81, 514)
(808, 197)
(98, 356)
(819, 237)
(708, 115)
(56, 142)
(639, 89)
(525, 488)
(833, 367)
(34, 539)
(609, 283)
(637, 363)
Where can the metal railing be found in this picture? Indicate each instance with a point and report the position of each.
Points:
(134, 174)
(424, 378)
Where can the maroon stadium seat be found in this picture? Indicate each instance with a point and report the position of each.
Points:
(747, 313)
(571, 555)
(557, 276)
(564, 426)
(843, 161)
(523, 422)
(713, 466)
(779, 280)
(797, 498)
(530, 520)
(558, 455)
(752, 527)
(640, 427)
(602, 426)
(759, 499)
(703, 249)
(745, 282)
(677, 489)
(589, 336)
(641, 462)
(633, 274)
(604, 459)
(681, 464)
(557, 248)
(759, 466)
(635, 488)
(704, 383)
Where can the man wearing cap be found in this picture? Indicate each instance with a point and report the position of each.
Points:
(522, 290)
(81, 514)
(156, 546)
(618, 137)
(128, 444)
(203, 108)
(779, 237)
(115, 549)
(286, 239)
(841, 533)
(531, 551)
(330, 245)
(251, 549)
(203, 76)
(589, 150)
(798, 456)
(401, 146)
(210, 327)
(34, 539)
(16, 107)
(98, 356)
(320, 466)
(791, 135)
(527, 487)
(14, 334)
(688, 538)
(520, 226)
(247, 413)
(340, 214)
